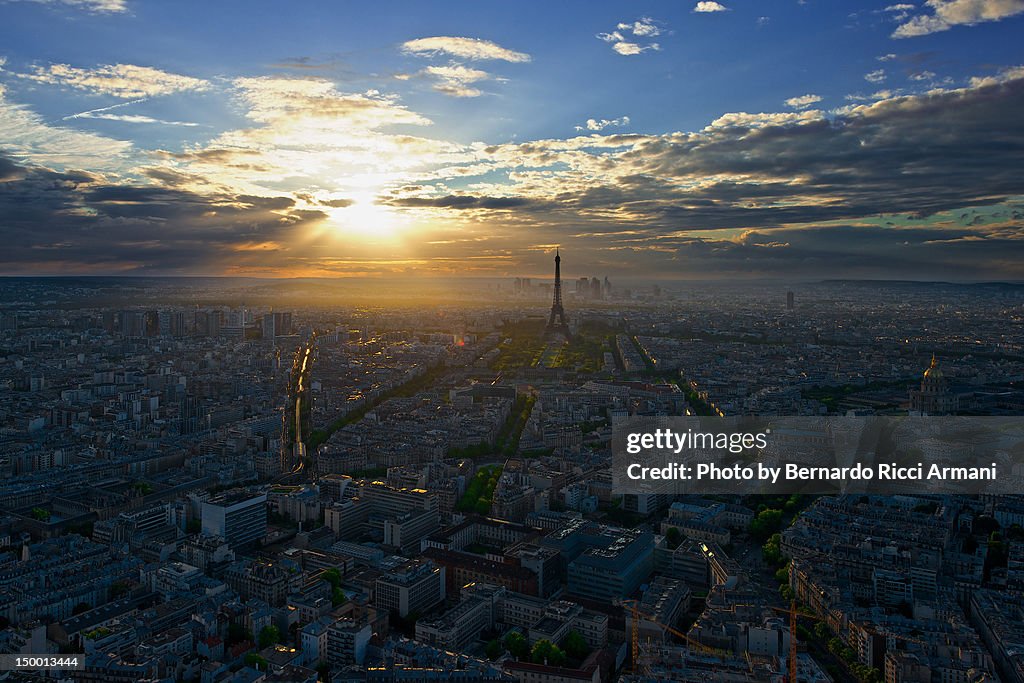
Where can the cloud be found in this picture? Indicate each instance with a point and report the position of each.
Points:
(463, 202)
(877, 95)
(876, 76)
(803, 101)
(910, 158)
(601, 124)
(126, 81)
(644, 27)
(466, 48)
(709, 6)
(104, 114)
(641, 32)
(306, 136)
(455, 79)
(923, 76)
(137, 118)
(887, 57)
(900, 11)
(864, 190)
(277, 99)
(949, 13)
(28, 138)
(93, 6)
(73, 221)
(627, 49)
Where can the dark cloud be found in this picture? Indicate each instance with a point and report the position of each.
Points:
(850, 251)
(916, 155)
(54, 220)
(454, 201)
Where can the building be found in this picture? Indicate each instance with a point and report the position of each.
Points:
(237, 516)
(416, 586)
(270, 582)
(313, 638)
(934, 397)
(346, 642)
(615, 566)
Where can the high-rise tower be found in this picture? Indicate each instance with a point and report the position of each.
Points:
(557, 324)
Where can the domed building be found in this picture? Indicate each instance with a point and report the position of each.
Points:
(934, 397)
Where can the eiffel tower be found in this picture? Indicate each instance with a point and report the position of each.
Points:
(557, 324)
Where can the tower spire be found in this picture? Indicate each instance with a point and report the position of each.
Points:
(557, 324)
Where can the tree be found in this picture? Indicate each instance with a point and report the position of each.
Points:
(494, 649)
(772, 550)
(517, 645)
(575, 645)
(546, 652)
(674, 537)
(193, 526)
(81, 607)
(332, 576)
(270, 635)
(323, 671)
(766, 523)
(41, 514)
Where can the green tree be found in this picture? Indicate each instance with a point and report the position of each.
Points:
(575, 645)
(81, 607)
(772, 550)
(766, 523)
(323, 671)
(270, 635)
(494, 649)
(41, 514)
(546, 652)
(674, 537)
(516, 644)
(332, 576)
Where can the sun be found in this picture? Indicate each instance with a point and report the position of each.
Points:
(367, 218)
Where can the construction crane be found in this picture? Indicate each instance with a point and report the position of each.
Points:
(630, 605)
(791, 674)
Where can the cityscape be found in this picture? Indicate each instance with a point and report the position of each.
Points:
(320, 323)
(236, 492)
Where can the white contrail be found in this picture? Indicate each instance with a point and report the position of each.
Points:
(86, 114)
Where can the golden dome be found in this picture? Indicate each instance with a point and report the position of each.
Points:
(933, 371)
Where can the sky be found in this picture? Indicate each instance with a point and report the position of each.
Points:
(743, 139)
